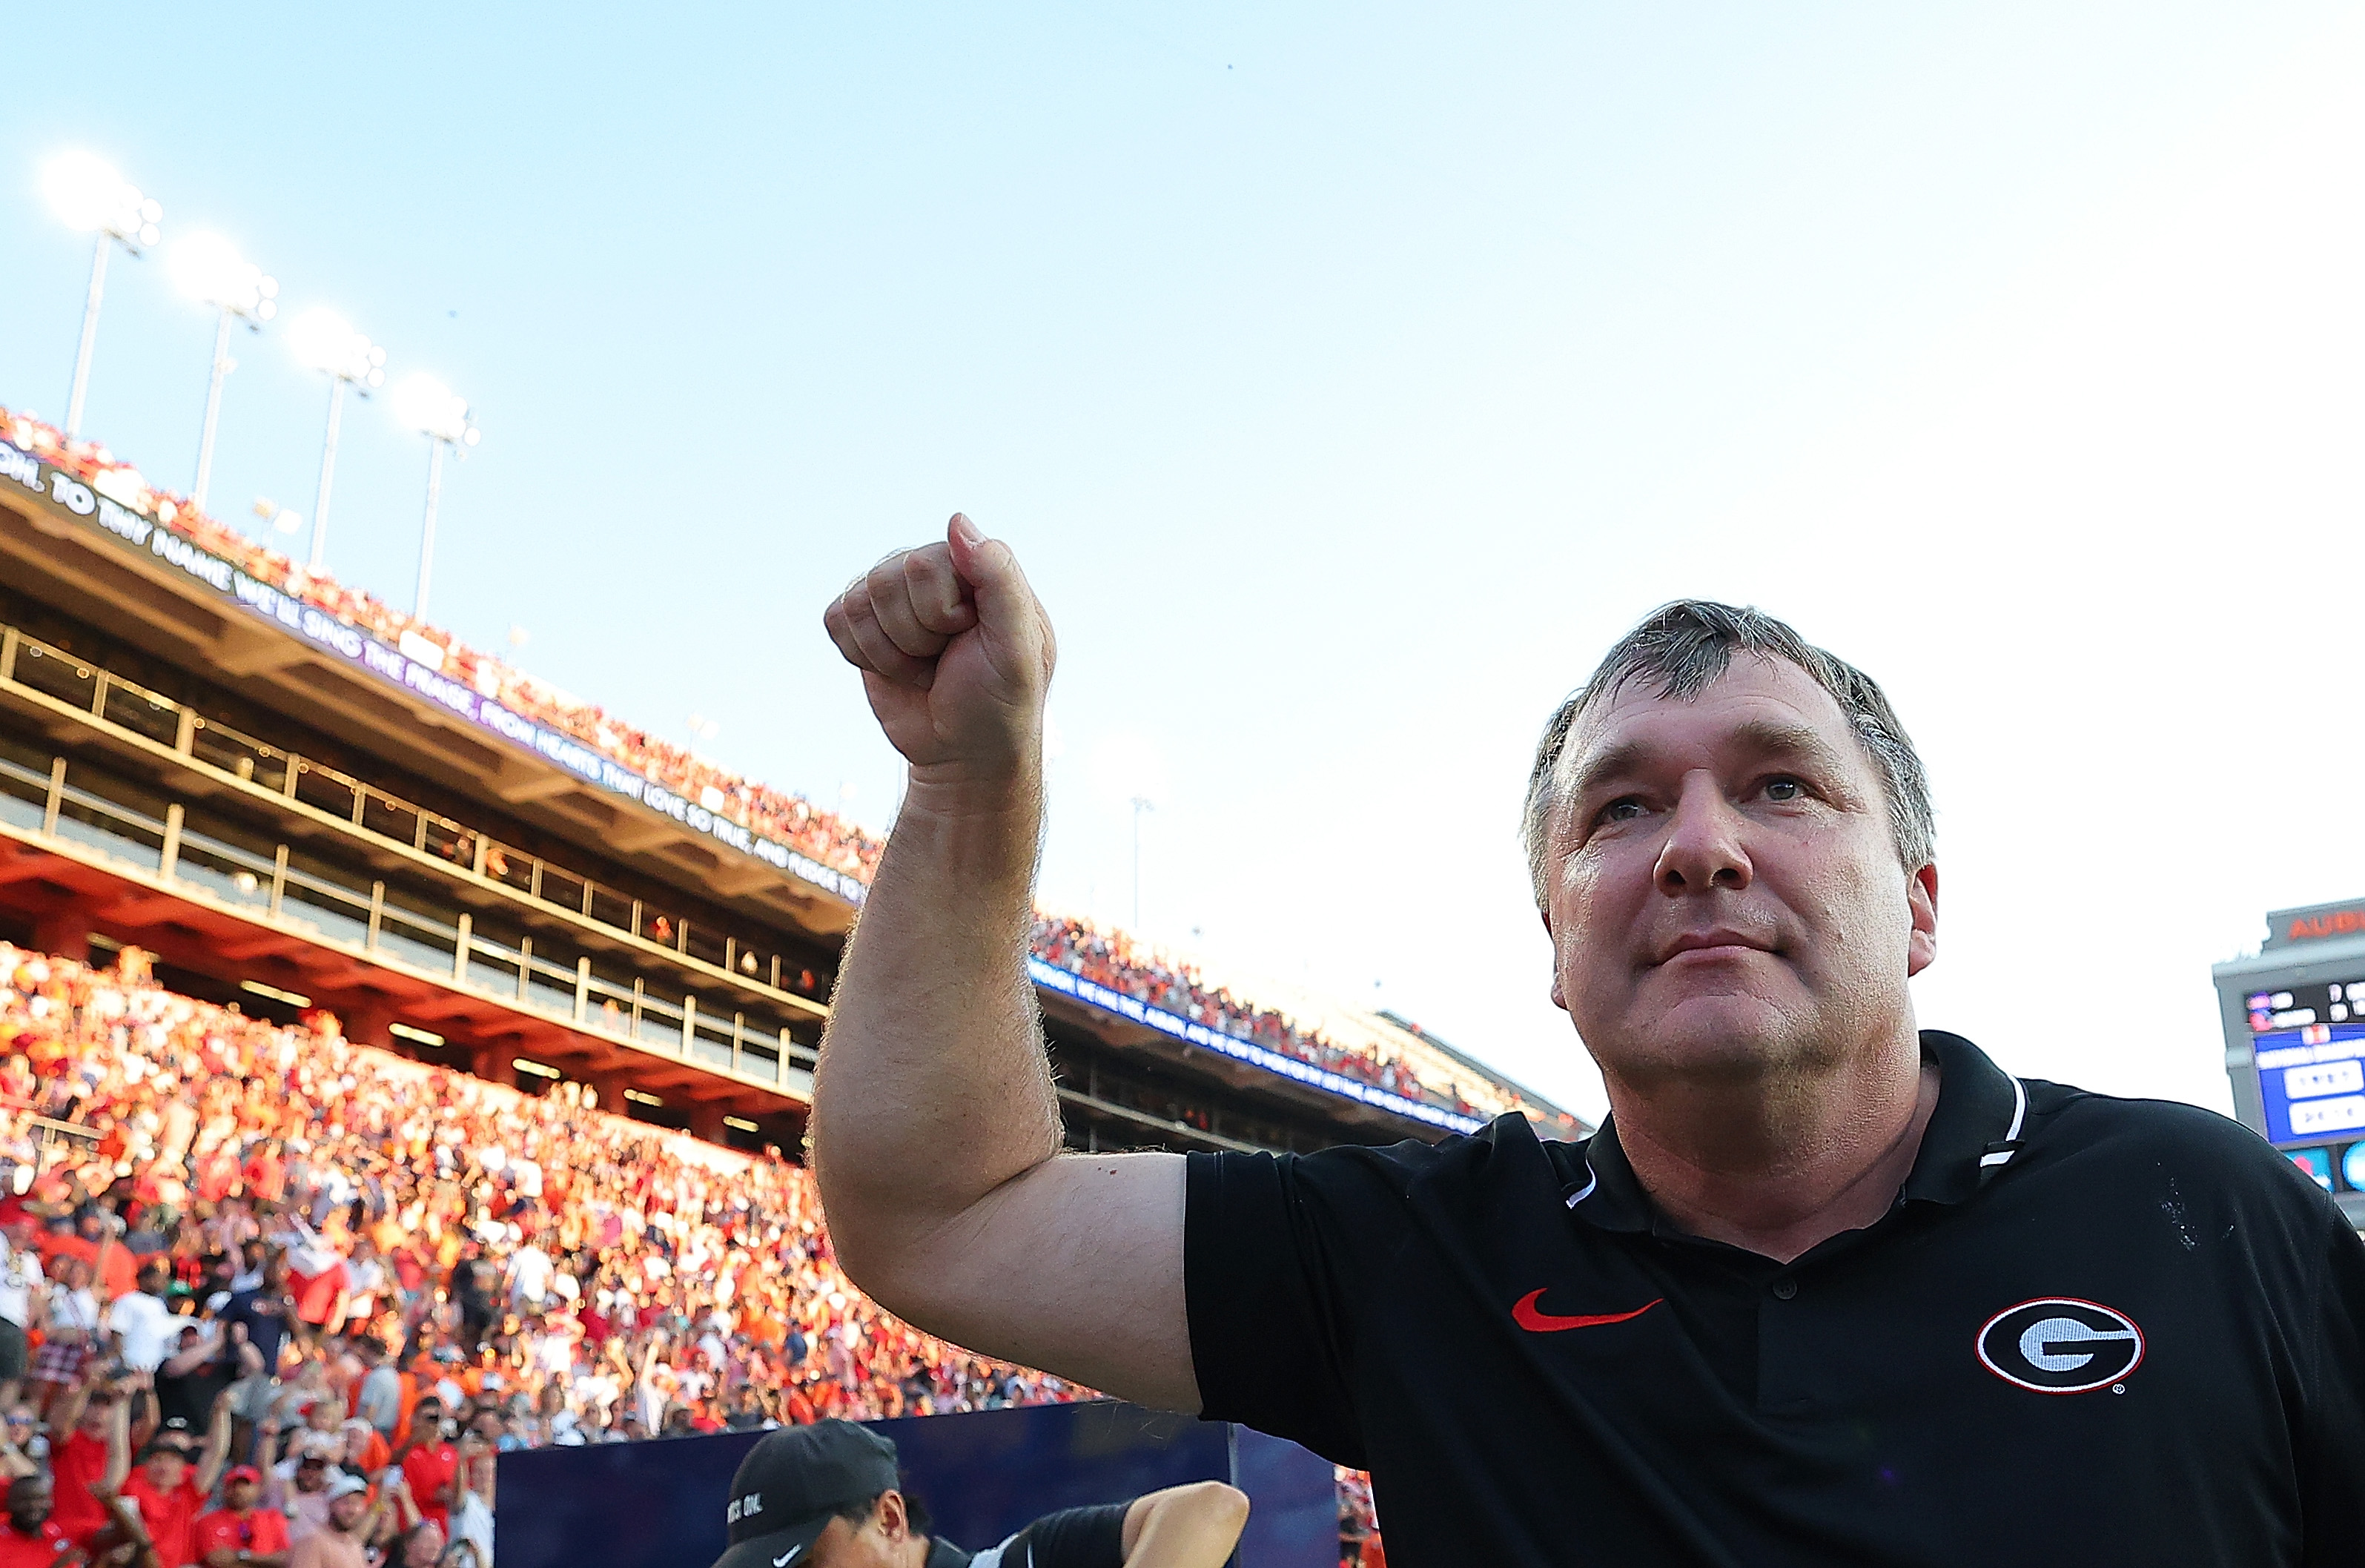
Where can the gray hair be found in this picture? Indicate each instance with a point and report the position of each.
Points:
(1686, 646)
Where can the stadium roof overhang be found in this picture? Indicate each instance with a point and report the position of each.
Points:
(53, 555)
(1242, 1077)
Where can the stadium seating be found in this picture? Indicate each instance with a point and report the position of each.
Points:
(1110, 959)
(580, 1276)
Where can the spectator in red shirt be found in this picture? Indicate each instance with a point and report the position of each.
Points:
(239, 1534)
(429, 1464)
(97, 1444)
(32, 1539)
(169, 1488)
(267, 1176)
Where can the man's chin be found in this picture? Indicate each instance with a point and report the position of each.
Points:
(1707, 1040)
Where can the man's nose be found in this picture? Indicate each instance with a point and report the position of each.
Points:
(1703, 847)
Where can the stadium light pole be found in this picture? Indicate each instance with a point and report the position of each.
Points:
(84, 190)
(1140, 803)
(208, 268)
(434, 410)
(326, 344)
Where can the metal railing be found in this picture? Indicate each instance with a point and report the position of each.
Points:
(286, 884)
(65, 678)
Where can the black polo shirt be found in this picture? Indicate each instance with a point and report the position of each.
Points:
(2089, 1330)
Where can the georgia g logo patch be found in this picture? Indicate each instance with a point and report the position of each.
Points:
(2061, 1345)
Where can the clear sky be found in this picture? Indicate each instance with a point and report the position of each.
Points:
(1348, 378)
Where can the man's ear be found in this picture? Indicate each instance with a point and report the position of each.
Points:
(1921, 900)
(894, 1522)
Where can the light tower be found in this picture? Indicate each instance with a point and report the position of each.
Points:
(434, 410)
(326, 344)
(84, 190)
(208, 268)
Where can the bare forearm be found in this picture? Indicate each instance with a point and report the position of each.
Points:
(1185, 1527)
(933, 1089)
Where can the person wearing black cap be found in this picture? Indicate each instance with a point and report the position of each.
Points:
(829, 1495)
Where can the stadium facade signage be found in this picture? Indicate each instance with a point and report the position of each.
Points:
(1067, 983)
(2317, 923)
(123, 522)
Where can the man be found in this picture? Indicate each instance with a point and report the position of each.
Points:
(379, 1399)
(143, 1329)
(194, 1372)
(299, 1486)
(173, 1481)
(1823, 1288)
(829, 1496)
(429, 1463)
(96, 1421)
(239, 1534)
(24, 1291)
(33, 1539)
(352, 1519)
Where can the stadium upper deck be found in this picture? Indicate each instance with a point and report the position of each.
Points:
(300, 797)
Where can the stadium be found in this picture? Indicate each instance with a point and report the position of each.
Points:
(492, 1014)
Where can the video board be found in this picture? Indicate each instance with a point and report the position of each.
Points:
(2307, 1046)
(2336, 1168)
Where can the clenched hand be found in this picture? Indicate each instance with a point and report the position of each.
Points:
(956, 656)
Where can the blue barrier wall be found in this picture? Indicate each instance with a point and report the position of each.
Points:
(982, 1477)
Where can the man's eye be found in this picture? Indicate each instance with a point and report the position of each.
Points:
(1619, 811)
(1783, 790)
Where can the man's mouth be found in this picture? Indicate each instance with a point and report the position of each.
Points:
(1707, 947)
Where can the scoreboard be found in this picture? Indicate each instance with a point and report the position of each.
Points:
(2295, 1018)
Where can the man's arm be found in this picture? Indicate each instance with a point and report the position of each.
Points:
(1185, 1527)
(118, 1444)
(66, 1413)
(215, 1455)
(935, 1127)
(208, 1346)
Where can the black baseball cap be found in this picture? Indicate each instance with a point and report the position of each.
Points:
(792, 1484)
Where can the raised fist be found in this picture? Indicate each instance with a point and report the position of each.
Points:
(956, 655)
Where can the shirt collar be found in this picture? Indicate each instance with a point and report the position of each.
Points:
(1975, 1130)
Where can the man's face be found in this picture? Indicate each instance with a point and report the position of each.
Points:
(239, 1494)
(346, 1511)
(1725, 896)
(29, 1503)
(311, 1475)
(882, 1540)
(427, 1423)
(167, 1462)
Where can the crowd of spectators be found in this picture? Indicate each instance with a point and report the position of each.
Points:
(818, 834)
(323, 1269)
(1122, 964)
(1109, 957)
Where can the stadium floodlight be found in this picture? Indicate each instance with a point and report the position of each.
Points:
(325, 342)
(209, 269)
(86, 191)
(1140, 803)
(440, 414)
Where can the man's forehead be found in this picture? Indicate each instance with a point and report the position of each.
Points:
(1758, 698)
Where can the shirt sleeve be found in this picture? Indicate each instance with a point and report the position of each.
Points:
(1073, 1538)
(1278, 1251)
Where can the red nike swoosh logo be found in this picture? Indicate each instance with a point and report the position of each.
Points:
(1524, 1314)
